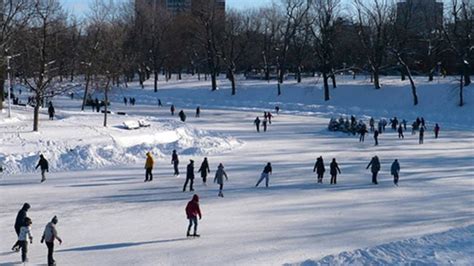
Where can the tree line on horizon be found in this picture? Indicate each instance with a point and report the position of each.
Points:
(116, 43)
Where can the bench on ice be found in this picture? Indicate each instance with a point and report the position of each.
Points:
(132, 124)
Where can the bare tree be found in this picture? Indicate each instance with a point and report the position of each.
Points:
(374, 32)
(325, 14)
(14, 16)
(459, 36)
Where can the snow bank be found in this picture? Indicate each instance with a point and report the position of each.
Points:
(72, 144)
(453, 247)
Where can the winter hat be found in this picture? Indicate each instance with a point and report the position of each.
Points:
(191, 161)
(54, 220)
(26, 206)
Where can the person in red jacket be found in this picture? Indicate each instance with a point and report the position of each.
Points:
(192, 212)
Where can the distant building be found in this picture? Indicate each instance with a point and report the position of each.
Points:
(420, 16)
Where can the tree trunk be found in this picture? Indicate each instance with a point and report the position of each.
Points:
(407, 71)
(232, 80)
(36, 112)
(333, 78)
(156, 73)
(461, 92)
(326, 86)
(106, 101)
(84, 99)
(213, 81)
(376, 79)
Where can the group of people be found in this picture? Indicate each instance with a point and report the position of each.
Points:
(359, 127)
(23, 230)
(181, 114)
(130, 100)
(267, 120)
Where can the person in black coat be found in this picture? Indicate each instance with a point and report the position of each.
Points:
(257, 123)
(374, 168)
(334, 170)
(189, 176)
(19, 222)
(97, 105)
(44, 166)
(51, 111)
(204, 169)
(400, 132)
(422, 135)
(376, 137)
(172, 109)
(267, 171)
(182, 116)
(175, 162)
(319, 169)
(198, 111)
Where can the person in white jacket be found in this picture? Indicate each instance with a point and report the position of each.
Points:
(49, 235)
(23, 237)
(219, 179)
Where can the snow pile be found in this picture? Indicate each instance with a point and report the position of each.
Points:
(453, 247)
(92, 147)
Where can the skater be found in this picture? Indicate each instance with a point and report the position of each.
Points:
(264, 124)
(395, 170)
(372, 124)
(436, 130)
(44, 166)
(334, 171)
(50, 234)
(423, 122)
(159, 103)
(269, 115)
(404, 122)
(204, 169)
(277, 109)
(376, 137)
(182, 116)
(97, 105)
(400, 132)
(19, 222)
(198, 111)
(149, 167)
(414, 126)
(257, 123)
(189, 176)
(219, 179)
(362, 133)
(375, 168)
(175, 162)
(172, 109)
(379, 125)
(267, 171)
(125, 100)
(23, 237)
(394, 123)
(192, 213)
(422, 135)
(51, 111)
(319, 169)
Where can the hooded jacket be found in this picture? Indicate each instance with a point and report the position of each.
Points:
(220, 173)
(192, 209)
(43, 164)
(20, 218)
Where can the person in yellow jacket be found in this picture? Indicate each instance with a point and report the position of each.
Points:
(149, 167)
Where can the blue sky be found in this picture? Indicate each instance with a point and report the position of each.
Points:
(79, 7)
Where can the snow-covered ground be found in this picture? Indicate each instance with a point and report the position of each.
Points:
(108, 216)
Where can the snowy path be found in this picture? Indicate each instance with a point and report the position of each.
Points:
(110, 217)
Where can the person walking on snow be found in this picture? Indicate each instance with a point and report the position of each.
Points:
(182, 116)
(334, 171)
(44, 166)
(192, 213)
(257, 123)
(269, 115)
(372, 124)
(395, 170)
(319, 169)
(149, 167)
(19, 222)
(49, 235)
(172, 109)
(436, 130)
(400, 132)
(189, 176)
(422, 135)
(219, 179)
(264, 124)
(51, 111)
(204, 169)
(362, 133)
(198, 111)
(23, 237)
(376, 137)
(175, 163)
(267, 171)
(375, 168)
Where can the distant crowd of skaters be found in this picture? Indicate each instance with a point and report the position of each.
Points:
(400, 127)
